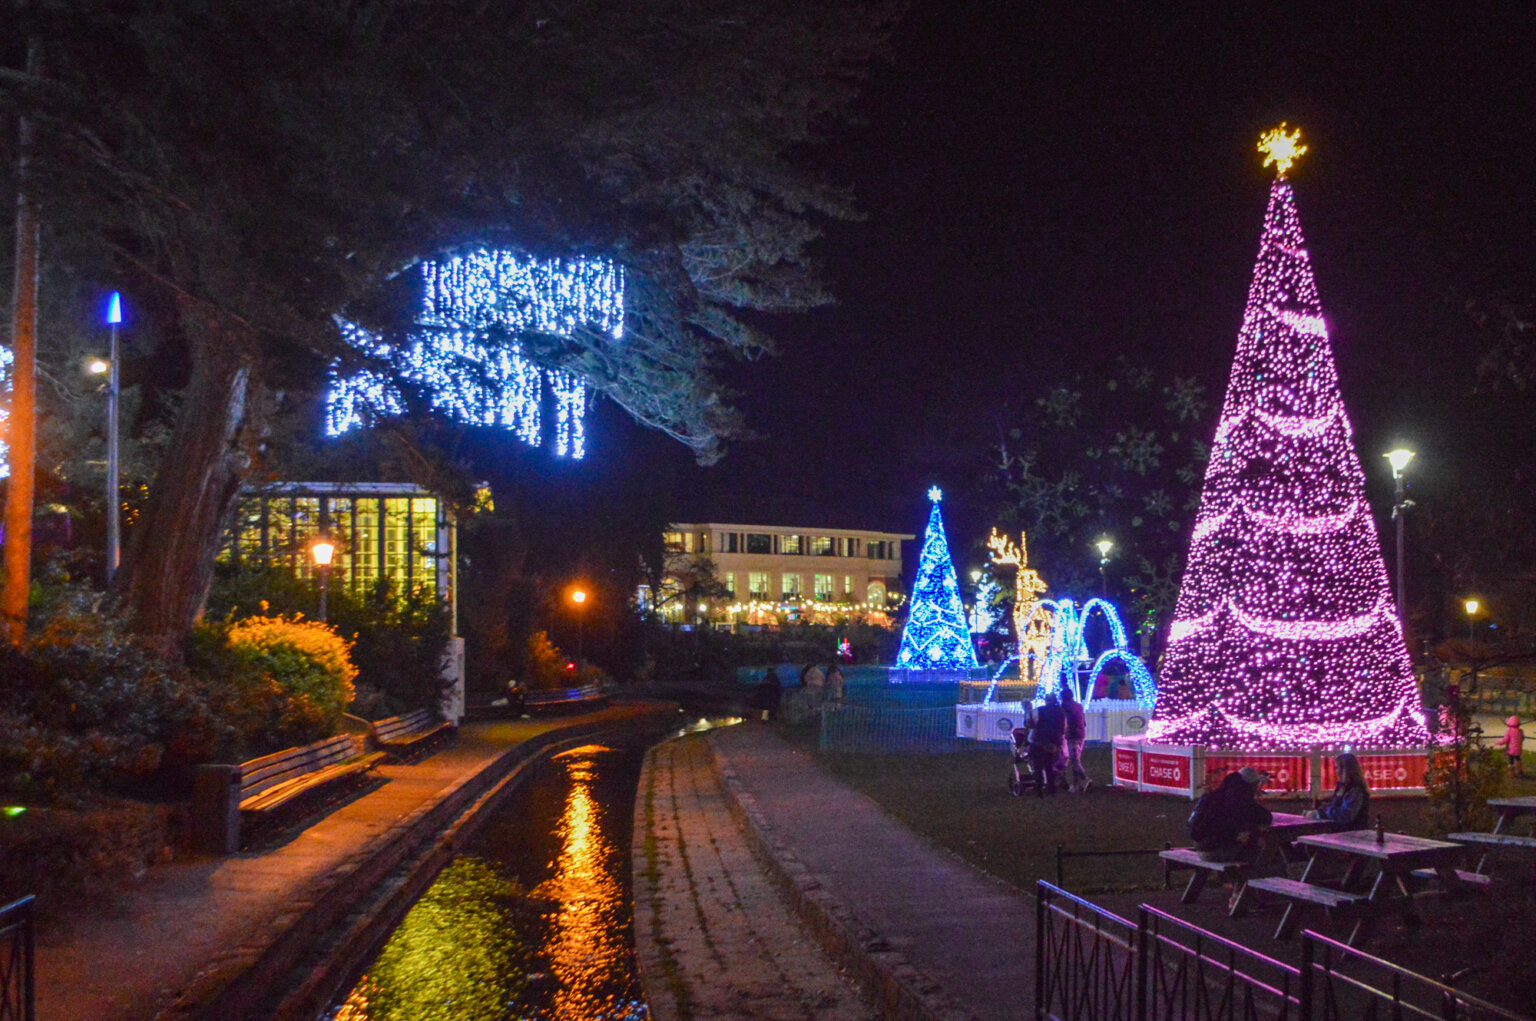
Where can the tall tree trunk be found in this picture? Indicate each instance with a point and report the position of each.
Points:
(169, 567)
(21, 426)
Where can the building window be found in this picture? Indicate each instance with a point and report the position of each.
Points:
(847, 588)
(757, 584)
(730, 584)
(759, 542)
(850, 547)
(730, 542)
(704, 543)
(877, 593)
(821, 546)
(823, 588)
(790, 545)
(672, 541)
(792, 586)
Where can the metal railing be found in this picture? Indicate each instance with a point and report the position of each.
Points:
(1085, 960)
(1091, 965)
(1340, 983)
(18, 997)
(1189, 973)
(855, 728)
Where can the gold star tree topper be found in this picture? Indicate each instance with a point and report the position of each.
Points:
(1281, 147)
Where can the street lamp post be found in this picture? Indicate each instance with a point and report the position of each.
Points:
(1104, 546)
(114, 536)
(579, 597)
(1472, 606)
(1399, 459)
(323, 549)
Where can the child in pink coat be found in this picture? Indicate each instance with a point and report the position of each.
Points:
(1513, 743)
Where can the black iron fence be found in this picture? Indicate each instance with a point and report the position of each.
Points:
(1341, 983)
(1091, 964)
(18, 999)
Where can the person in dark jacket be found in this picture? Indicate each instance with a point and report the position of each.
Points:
(1046, 738)
(1350, 806)
(1232, 818)
(1077, 735)
(769, 691)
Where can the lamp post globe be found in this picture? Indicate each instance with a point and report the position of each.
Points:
(1399, 459)
(1471, 606)
(323, 550)
(579, 597)
(1104, 546)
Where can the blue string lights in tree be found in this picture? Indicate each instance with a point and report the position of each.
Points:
(466, 352)
(936, 636)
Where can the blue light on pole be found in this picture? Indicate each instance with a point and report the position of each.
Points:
(114, 537)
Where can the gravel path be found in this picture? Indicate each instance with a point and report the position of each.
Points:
(713, 937)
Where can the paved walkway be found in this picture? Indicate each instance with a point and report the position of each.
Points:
(194, 930)
(925, 933)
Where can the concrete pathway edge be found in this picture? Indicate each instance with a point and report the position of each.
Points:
(235, 984)
(894, 983)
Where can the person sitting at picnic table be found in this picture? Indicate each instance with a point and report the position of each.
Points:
(1350, 806)
(1226, 821)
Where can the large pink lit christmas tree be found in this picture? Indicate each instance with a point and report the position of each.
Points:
(1285, 633)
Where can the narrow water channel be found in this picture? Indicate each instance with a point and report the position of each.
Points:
(532, 919)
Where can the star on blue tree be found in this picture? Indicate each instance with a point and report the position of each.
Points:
(936, 636)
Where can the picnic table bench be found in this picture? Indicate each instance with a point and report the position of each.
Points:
(1201, 870)
(401, 737)
(1298, 894)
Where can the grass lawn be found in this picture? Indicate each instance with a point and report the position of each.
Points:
(961, 802)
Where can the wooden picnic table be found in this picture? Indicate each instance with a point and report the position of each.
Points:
(1286, 829)
(1395, 857)
(1510, 809)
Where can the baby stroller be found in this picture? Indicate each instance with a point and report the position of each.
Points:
(1021, 773)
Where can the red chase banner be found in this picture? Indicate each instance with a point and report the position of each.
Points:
(1159, 769)
(1384, 771)
(1288, 774)
(1127, 765)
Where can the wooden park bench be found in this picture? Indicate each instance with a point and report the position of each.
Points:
(401, 737)
(1299, 894)
(1489, 842)
(565, 698)
(1201, 870)
(228, 801)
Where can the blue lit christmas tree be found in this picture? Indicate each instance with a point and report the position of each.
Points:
(936, 636)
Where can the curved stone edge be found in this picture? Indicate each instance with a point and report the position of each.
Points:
(899, 990)
(236, 984)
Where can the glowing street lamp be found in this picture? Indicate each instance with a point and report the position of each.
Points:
(322, 550)
(1104, 546)
(1472, 606)
(579, 597)
(1399, 459)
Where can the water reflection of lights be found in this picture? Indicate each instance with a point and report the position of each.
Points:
(704, 723)
(588, 932)
(479, 946)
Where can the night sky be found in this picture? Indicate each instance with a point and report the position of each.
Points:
(1050, 185)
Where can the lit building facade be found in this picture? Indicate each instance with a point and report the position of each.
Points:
(383, 531)
(767, 574)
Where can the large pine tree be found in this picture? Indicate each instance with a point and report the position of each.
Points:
(1285, 632)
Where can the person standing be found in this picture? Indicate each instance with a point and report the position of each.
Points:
(1048, 731)
(1077, 735)
(1513, 743)
(813, 681)
(834, 682)
(768, 693)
